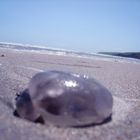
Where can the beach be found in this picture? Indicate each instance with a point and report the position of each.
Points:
(121, 78)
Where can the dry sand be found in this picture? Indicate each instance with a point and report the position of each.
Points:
(122, 79)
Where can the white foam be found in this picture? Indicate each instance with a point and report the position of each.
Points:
(64, 52)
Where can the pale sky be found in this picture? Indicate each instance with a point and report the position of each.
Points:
(80, 25)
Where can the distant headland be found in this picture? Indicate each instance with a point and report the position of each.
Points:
(135, 55)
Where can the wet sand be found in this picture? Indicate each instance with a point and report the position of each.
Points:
(122, 79)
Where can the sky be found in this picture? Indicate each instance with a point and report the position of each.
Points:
(79, 25)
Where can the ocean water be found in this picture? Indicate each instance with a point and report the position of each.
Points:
(63, 52)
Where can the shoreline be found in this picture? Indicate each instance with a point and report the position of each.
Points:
(63, 52)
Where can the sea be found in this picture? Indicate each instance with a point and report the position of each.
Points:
(63, 52)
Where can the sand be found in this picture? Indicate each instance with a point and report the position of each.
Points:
(121, 78)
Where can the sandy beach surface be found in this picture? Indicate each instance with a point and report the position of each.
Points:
(121, 78)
